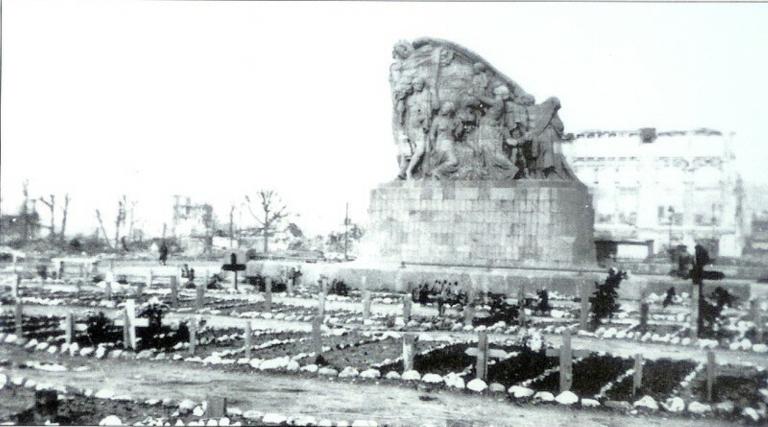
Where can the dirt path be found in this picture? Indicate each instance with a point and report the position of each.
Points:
(291, 395)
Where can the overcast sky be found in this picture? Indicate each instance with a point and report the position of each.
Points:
(218, 99)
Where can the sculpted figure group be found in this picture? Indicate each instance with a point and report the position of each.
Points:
(454, 118)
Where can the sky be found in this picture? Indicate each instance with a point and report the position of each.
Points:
(215, 100)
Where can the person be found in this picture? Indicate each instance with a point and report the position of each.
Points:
(443, 132)
(163, 253)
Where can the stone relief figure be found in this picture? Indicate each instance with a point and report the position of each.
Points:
(545, 136)
(419, 110)
(443, 134)
(457, 117)
(492, 135)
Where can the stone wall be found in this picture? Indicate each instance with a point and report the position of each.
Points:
(526, 223)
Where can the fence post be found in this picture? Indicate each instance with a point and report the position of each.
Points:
(637, 379)
(174, 290)
(711, 373)
(317, 342)
(566, 362)
(247, 337)
(409, 350)
(481, 366)
(268, 295)
(16, 287)
(586, 292)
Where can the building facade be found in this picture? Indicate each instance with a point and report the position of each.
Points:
(655, 190)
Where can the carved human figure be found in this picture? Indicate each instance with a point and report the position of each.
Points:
(545, 136)
(400, 52)
(518, 123)
(404, 146)
(443, 132)
(480, 79)
(492, 135)
(418, 116)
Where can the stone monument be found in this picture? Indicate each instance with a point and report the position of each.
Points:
(482, 183)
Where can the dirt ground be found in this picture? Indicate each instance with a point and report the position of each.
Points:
(335, 400)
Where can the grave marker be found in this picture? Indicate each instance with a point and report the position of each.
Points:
(695, 290)
(566, 362)
(711, 373)
(247, 337)
(19, 318)
(217, 406)
(637, 378)
(268, 295)
(586, 292)
(200, 295)
(174, 290)
(108, 290)
(317, 342)
(481, 366)
(234, 267)
(69, 328)
(321, 299)
(150, 278)
(192, 336)
(130, 322)
(469, 308)
(643, 317)
(757, 319)
(15, 287)
(407, 307)
(409, 351)
(521, 305)
(366, 304)
(139, 290)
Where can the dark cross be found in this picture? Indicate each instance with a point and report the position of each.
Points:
(566, 355)
(233, 266)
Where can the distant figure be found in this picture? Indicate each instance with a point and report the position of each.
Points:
(670, 299)
(163, 253)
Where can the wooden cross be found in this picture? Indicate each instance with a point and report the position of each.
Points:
(317, 342)
(234, 267)
(469, 308)
(409, 351)
(695, 290)
(247, 337)
(521, 305)
(566, 360)
(481, 366)
(69, 328)
(268, 295)
(192, 336)
(217, 406)
(129, 323)
(637, 378)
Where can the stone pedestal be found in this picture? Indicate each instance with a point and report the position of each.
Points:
(487, 224)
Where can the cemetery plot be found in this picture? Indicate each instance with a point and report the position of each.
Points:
(738, 384)
(41, 328)
(440, 361)
(589, 375)
(659, 379)
(375, 353)
(520, 365)
(230, 342)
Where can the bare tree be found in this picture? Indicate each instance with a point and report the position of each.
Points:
(120, 219)
(273, 211)
(103, 230)
(52, 207)
(25, 210)
(132, 221)
(65, 210)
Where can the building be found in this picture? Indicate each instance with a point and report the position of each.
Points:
(655, 190)
(193, 225)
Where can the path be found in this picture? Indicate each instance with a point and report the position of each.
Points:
(293, 395)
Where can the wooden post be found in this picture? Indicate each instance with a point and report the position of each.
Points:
(643, 317)
(16, 287)
(19, 320)
(566, 362)
(126, 334)
(469, 307)
(192, 336)
(321, 299)
(268, 295)
(150, 278)
(217, 406)
(586, 292)
(69, 328)
(521, 305)
(130, 311)
(711, 373)
(317, 341)
(139, 290)
(407, 307)
(757, 319)
(78, 288)
(174, 290)
(289, 282)
(637, 379)
(247, 337)
(695, 290)
(108, 290)
(366, 304)
(409, 351)
(200, 297)
(481, 366)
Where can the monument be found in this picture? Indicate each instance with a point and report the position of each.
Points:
(482, 188)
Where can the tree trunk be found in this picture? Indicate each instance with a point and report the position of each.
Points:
(266, 231)
(64, 218)
(103, 230)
